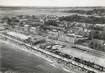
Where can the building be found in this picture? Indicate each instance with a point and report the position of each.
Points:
(33, 30)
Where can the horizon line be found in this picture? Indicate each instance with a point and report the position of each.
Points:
(50, 6)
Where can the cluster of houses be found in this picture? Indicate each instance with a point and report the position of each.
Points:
(65, 31)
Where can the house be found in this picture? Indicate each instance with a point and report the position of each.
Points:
(33, 30)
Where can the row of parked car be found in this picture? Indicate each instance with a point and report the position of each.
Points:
(88, 63)
(54, 49)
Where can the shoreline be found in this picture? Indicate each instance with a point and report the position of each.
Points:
(64, 63)
(33, 52)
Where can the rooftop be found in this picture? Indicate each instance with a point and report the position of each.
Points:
(18, 35)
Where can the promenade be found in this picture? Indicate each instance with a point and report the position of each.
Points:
(43, 53)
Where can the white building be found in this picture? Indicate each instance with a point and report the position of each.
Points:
(33, 30)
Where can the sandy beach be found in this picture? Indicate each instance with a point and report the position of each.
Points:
(14, 59)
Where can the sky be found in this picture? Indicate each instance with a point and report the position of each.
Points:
(51, 3)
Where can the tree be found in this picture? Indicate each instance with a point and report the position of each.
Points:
(103, 34)
(97, 45)
(51, 22)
